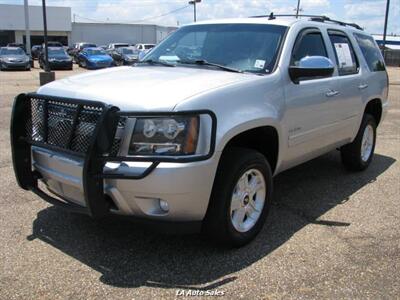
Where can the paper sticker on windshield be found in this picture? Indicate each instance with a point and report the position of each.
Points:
(169, 58)
(344, 55)
(259, 64)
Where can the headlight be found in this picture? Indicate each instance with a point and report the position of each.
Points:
(165, 136)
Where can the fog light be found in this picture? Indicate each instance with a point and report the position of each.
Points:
(164, 205)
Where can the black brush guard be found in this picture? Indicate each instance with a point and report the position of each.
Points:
(95, 153)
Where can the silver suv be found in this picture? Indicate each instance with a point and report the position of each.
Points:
(191, 137)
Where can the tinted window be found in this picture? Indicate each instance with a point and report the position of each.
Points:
(371, 52)
(345, 57)
(87, 46)
(57, 52)
(120, 45)
(95, 52)
(310, 44)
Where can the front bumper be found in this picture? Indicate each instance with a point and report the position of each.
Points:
(99, 64)
(15, 65)
(98, 183)
(60, 65)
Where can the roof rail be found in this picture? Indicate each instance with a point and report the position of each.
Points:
(315, 18)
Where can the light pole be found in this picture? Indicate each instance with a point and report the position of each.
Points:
(46, 76)
(193, 2)
(385, 27)
(298, 9)
(27, 30)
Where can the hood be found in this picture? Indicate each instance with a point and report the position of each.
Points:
(142, 88)
(99, 57)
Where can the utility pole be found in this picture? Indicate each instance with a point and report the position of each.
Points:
(193, 2)
(27, 30)
(385, 27)
(297, 9)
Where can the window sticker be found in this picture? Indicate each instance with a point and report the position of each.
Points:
(259, 64)
(344, 55)
(168, 58)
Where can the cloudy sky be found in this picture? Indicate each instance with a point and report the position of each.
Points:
(367, 13)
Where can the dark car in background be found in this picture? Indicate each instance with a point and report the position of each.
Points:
(58, 59)
(113, 46)
(14, 58)
(125, 56)
(94, 58)
(17, 45)
(53, 44)
(77, 48)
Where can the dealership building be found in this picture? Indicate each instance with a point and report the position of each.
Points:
(61, 28)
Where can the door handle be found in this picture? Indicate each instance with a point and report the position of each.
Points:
(362, 86)
(332, 93)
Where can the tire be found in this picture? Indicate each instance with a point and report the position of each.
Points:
(218, 223)
(354, 156)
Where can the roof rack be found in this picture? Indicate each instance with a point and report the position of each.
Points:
(315, 18)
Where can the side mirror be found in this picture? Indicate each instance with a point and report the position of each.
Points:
(311, 66)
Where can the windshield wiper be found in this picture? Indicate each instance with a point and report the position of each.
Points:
(202, 62)
(155, 62)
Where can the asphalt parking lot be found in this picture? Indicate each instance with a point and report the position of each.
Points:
(331, 234)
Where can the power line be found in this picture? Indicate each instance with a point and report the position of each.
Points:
(136, 21)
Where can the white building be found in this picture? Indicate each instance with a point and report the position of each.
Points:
(104, 33)
(60, 28)
(12, 24)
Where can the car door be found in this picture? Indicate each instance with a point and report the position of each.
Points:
(307, 118)
(348, 83)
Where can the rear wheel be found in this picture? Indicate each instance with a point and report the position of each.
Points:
(241, 197)
(357, 155)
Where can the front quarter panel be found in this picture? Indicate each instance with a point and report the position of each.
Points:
(254, 102)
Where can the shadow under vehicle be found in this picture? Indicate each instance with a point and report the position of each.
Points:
(129, 256)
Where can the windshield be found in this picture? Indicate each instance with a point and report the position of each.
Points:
(57, 52)
(8, 51)
(120, 45)
(245, 47)
(128, 51)
(95, 52)
(148, 47)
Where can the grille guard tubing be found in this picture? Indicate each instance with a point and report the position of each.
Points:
(95, 158)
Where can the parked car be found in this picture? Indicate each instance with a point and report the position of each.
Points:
(14, 58)
(35, 51)
(94, 58)
(77, 48)
(53, 44)
(191, 140)
(125, 56)
(58, 59)
(144, 47)
(17, 45)
(111, 47)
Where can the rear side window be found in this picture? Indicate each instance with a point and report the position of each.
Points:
(345, 57)
(371, 52)
(308, 44)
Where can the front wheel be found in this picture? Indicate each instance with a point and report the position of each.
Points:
(241, 197)
(358, 155)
